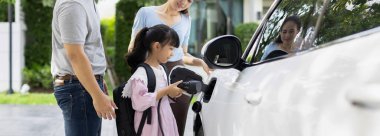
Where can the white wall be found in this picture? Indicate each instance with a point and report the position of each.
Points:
(17, 52)
(17, 56)
(107, 8)
(253, 10)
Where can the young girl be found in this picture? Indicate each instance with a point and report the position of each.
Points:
(153, 46)
(173, 13)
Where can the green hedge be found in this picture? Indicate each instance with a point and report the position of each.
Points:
(245, 32)
(38, 76)
(38, 16)
(125, 14)
(4, 12)
(108, 36)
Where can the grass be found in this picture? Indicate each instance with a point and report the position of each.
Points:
(36, 98)
(43, 98)
(29, 99)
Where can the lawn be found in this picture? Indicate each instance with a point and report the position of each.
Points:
(41, 97)
(31, 99)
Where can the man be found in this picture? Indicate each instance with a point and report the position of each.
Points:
(78, 65)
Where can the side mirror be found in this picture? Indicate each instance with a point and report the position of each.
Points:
(222, 52)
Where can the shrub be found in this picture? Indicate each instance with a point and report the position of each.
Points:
(38, 76)
(108, 36)
(38, 16)
(4, 12)
(244, 32)
(125, 14)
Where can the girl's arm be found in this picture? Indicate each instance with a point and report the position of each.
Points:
(142, 99)
(171, 90)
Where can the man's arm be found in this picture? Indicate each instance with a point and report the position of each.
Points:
(103, 105)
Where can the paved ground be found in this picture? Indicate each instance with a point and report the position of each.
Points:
(41, 120)
(44, 120)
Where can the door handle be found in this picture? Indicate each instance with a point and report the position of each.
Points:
(368, 98)
(254, 98)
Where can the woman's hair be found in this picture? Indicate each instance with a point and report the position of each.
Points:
(186, 11)
(145, 38)
(294, 19)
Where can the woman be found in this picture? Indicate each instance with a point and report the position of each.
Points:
(285, 41)
(173, 13)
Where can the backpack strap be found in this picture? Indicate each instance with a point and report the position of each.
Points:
(168, 81)
(167, 73)
(159, 102)
(147, 114)
(151, 77)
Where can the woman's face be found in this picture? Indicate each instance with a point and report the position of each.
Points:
(289, 32)
(180, 5)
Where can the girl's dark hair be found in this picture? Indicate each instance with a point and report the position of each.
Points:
(145, 38)
(294, 19)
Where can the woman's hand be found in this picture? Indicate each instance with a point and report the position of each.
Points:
(206, 68)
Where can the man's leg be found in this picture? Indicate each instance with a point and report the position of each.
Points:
(79, 114)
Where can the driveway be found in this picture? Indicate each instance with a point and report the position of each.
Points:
(47, 120)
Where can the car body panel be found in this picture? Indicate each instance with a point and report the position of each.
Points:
(308, 94)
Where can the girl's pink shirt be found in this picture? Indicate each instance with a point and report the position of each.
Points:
(142, 100)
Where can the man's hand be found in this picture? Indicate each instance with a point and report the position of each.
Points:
(104, 107)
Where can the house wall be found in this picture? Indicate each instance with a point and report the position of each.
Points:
(18, 43)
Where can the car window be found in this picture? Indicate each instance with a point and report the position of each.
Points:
(321, 21)
(347, 17)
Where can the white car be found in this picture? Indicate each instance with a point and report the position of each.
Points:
(328, 85)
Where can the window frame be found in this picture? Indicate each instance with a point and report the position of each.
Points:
(253, 45)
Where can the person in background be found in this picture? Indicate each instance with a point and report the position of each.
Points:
(285, 41)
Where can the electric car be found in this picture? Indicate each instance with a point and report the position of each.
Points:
(327, 84)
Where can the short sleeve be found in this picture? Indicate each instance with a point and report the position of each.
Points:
(187, 34)
(72, 20)
(139, 21)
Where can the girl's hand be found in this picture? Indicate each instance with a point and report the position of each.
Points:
(174, 91)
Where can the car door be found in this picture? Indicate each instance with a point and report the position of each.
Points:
(326, 86)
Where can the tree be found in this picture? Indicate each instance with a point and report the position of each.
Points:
(125, 14)
(346, 17)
